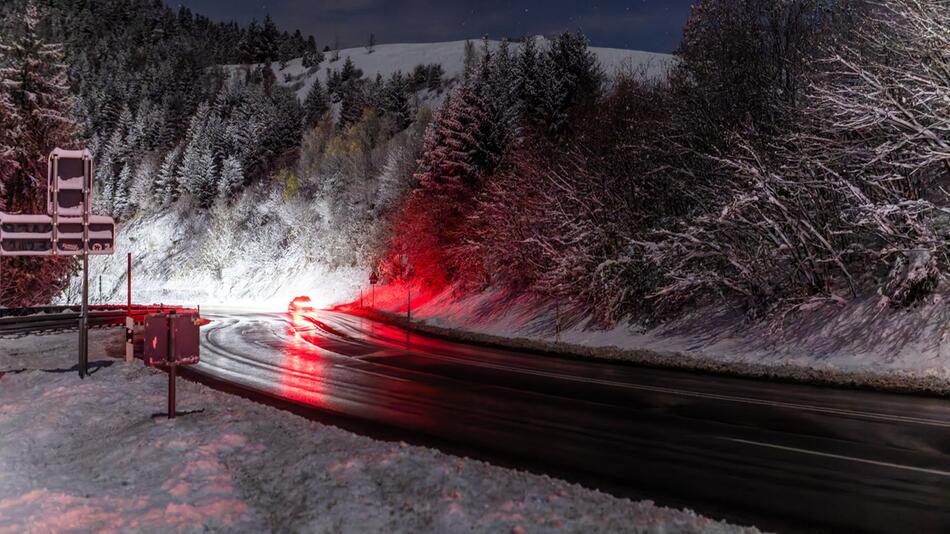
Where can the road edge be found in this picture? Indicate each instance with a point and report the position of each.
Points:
(862, 380)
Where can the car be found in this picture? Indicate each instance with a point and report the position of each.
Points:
(301, 305)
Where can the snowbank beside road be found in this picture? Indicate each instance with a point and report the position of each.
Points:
(88, 456)
(857, 343)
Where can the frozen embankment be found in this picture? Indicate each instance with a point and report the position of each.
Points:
(89, 456)
(853, 344)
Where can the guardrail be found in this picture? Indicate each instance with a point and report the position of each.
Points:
(28, 320)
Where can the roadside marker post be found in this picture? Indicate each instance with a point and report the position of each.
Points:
(129, 320)
(373, 280)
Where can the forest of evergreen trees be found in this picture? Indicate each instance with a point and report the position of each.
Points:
(796, 154)
(144, 88)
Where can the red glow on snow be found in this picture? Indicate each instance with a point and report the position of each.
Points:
(303, 369)
(394, 298)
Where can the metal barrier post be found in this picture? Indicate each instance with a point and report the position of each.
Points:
(129, 320)
(171, 368)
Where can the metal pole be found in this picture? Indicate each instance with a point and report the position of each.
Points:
(373, 305)
(171, 367)
(557, 321)
(171, 391)
(129, 320)
(409, 303)
(84, 314)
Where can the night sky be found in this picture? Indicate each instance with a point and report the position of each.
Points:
(652, 25)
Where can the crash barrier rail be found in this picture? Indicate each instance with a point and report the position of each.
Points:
(29, 320)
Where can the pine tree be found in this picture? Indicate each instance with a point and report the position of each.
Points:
(104, 197)
(33, 75)
(190, 172)
(312, 56)
(206, 179)
(576, 70)
(316, 105)
(249, 47)
(232, 178)
(121, 190)
(530, 82)
(140, 194)
(396, 102)
(456, 157)
(165, 191)
(469, 59)
(353, 104)
(502, 91)
(269, 41)
(350, 72)
(9, 134)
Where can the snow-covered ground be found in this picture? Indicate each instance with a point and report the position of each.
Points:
(88, 455)
(858, 342)
(389, 58)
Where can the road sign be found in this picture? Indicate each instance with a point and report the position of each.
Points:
(172, 340)
(373, 278)
(32, 235)
(26, 235)
(69, 188)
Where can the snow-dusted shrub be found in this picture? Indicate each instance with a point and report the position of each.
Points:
(853, 199)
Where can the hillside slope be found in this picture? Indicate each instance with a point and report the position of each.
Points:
(390, 58)
(290, 247)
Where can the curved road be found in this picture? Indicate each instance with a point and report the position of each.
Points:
(781, 456)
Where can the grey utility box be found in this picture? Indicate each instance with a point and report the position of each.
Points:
(172, 339)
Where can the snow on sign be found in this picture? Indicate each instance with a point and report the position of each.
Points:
(68, 228)
(70, 182)
(33, 235)
(26, 235)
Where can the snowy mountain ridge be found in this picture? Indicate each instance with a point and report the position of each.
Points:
(390, 58)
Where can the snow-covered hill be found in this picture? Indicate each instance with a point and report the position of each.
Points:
(290, 248)
(390, 58)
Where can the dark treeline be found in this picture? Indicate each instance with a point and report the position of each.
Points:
(796, 154)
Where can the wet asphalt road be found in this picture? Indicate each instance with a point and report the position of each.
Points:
(781, 456)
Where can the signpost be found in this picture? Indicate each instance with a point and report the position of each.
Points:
(172, 340)
(68, 229)
(373, 280)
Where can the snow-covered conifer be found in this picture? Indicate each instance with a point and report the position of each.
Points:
(166, 186)
(34, 77)
(121, 190)
(316, 104)
(232, 178)
(396, 104)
